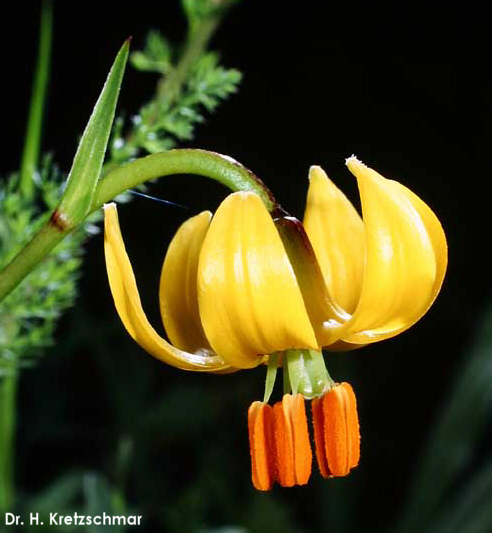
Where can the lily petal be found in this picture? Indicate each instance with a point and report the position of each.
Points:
(336, 232)
(436, 234)
(325, 315)
(250, 302)
(127, 301)
(177, 290)
(405, 258)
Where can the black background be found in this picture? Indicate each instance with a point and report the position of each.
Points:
(404, 86)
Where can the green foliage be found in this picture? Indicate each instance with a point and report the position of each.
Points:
(156, 55)
(29, 314)
(98, 500)
(197, 10)
(470, 510)
(87, 494)
(171, 117)
(86, 168)
(189, 84)
(208, 83)
(450, 449)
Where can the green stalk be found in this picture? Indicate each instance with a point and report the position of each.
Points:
(32, 141)
(271, 375)
(169, 87)
(181, 161)
(198, 38)
(8, 389)
(307, 372)
(34, 251)
(87, 163)
(184, 161)
(29, 162)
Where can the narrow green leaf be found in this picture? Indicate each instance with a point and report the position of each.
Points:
(8, 388)
(470, 510)
(98, 500)
(30, 154)
(456, 432)
(86, 167)
(59, 495)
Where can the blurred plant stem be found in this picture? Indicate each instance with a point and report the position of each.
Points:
(198, 38)
(8, 389)
(438, 492)
(30, 155)
(123, 455)
(29, 165)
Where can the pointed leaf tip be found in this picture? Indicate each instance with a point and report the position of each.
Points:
(88, 160)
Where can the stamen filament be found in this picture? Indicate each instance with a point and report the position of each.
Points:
(271, 375)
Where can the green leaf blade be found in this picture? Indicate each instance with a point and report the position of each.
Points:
(469, 510)
(451, 447)
(89, 157)
(32, 142)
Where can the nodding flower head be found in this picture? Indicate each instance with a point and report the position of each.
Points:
(240, 289)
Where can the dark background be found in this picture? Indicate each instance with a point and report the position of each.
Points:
(404, 86)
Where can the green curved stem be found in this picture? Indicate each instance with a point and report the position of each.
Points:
(181, 161)
(185, 161)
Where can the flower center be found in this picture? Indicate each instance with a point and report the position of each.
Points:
(279, 435)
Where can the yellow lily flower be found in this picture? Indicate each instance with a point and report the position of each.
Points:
(238, 287)
(229, 295)
(227, 288)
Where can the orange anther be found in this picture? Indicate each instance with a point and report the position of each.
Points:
(261, 444)
(336, 431)
(293, 450)
(319, 438)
